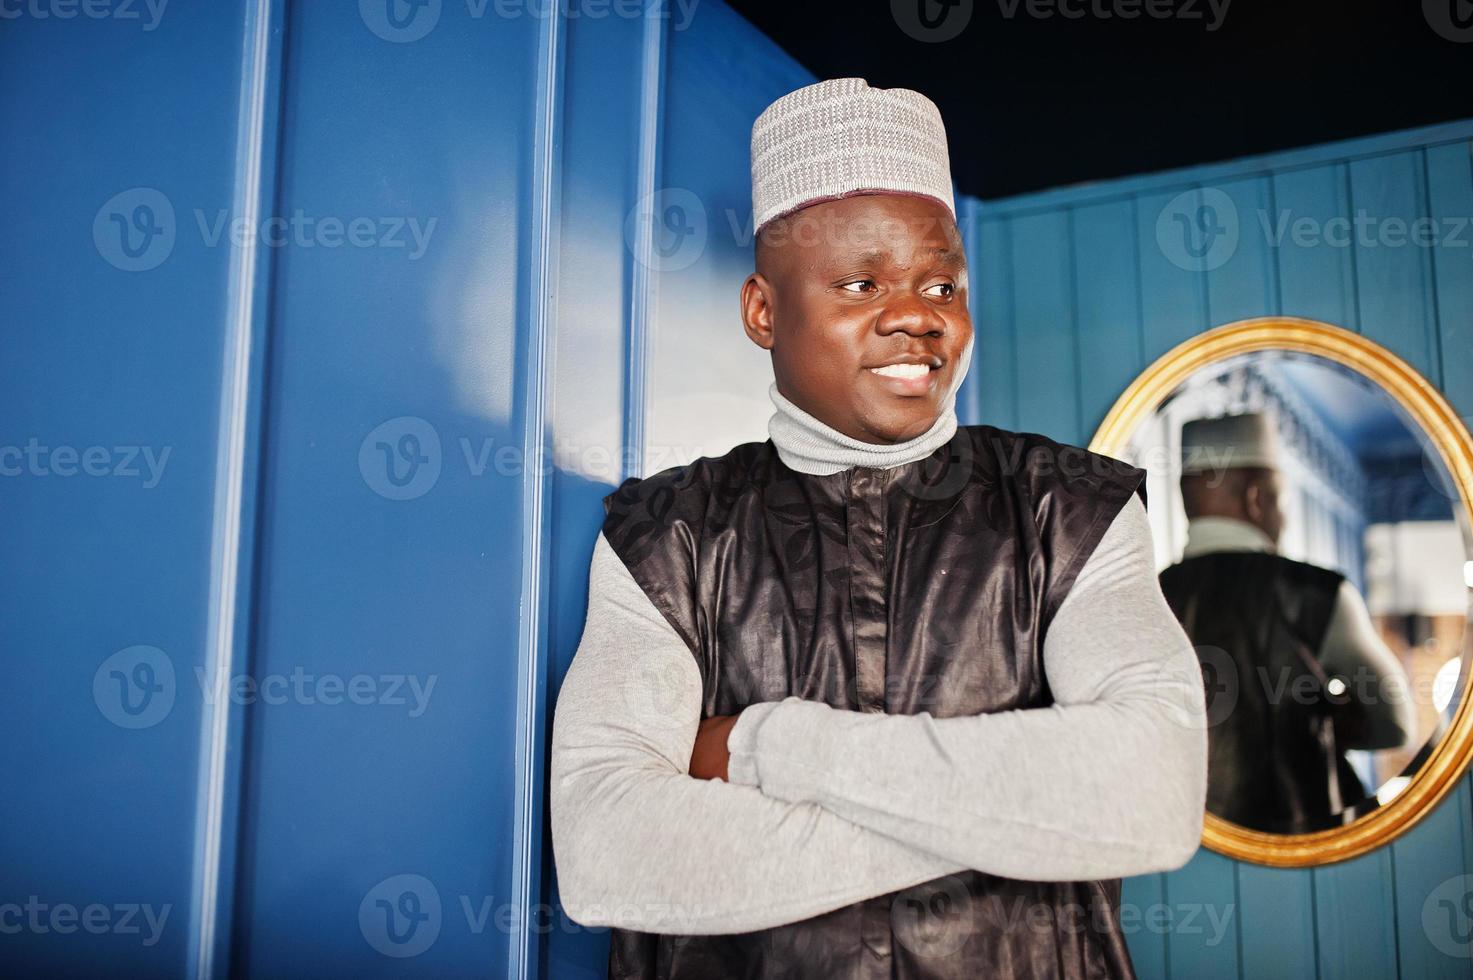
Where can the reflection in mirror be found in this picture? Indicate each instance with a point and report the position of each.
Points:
(1315, 549)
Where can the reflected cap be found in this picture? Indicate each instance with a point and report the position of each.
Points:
(1248, 439)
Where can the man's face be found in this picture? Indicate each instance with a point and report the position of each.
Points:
(847, 286)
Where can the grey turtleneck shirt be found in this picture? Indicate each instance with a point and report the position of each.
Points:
(827, 807)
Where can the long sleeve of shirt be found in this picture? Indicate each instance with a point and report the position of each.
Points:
(1386, 717)
(1108, 781)
(641, 844)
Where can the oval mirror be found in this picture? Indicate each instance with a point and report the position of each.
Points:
(1310, 498)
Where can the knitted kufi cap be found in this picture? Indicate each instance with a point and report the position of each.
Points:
(1249, 439)
(838, 138)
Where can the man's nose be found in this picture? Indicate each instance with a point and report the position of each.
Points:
(908, 311)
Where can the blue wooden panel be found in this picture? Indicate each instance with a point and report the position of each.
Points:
(1431, 881)
(707, 385)
(1276, 921)
(1393, 273)
(1355, 913)
(1203, 941)
(604, 120)
(1316, 264)
(1450, 195)
(995, 349)
(1043, 309)
(1169, 236)
(1243, 284)
(969, 396)
(379, 833)
(1140, 897)
(112, 322)
(1108, 305)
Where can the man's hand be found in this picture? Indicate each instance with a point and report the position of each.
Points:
(708, 758)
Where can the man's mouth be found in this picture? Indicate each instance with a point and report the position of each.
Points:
(906, 379)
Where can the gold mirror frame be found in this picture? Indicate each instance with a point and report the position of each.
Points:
(1429, 409)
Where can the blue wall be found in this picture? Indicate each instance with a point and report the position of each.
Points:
(351, 470)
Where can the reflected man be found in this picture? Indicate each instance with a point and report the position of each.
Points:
(1295, 671)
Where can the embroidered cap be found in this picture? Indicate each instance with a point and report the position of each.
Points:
(840, 137)
(1249, 439)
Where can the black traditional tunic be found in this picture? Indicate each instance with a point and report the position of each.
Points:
(786, 583)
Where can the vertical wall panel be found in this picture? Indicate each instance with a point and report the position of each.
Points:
(969, 396)
(1394, 275)
(1205, 938)
(1316, 268)
(1276, 922)
(995, 351)
(113, 320)
(1355, 912)
(1427, 860)
(1173, 298)
(1043, 310)
(1140, 897)
(603, 122)
(707, 380)
(1450, 196)
(1243, 283)
(380, 833)
(1107, 306)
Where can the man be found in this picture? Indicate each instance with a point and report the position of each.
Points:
(880, 696)
(1295, 671)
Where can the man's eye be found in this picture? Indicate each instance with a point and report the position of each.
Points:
(948, 290)
(865, 285)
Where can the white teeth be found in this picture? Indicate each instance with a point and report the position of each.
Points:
(902, 370)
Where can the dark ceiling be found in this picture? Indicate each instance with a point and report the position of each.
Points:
(1036, 101)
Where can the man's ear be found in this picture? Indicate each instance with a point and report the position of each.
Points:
(757, 299)
(1253, 501)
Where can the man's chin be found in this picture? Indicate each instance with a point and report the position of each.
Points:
(900, 426)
